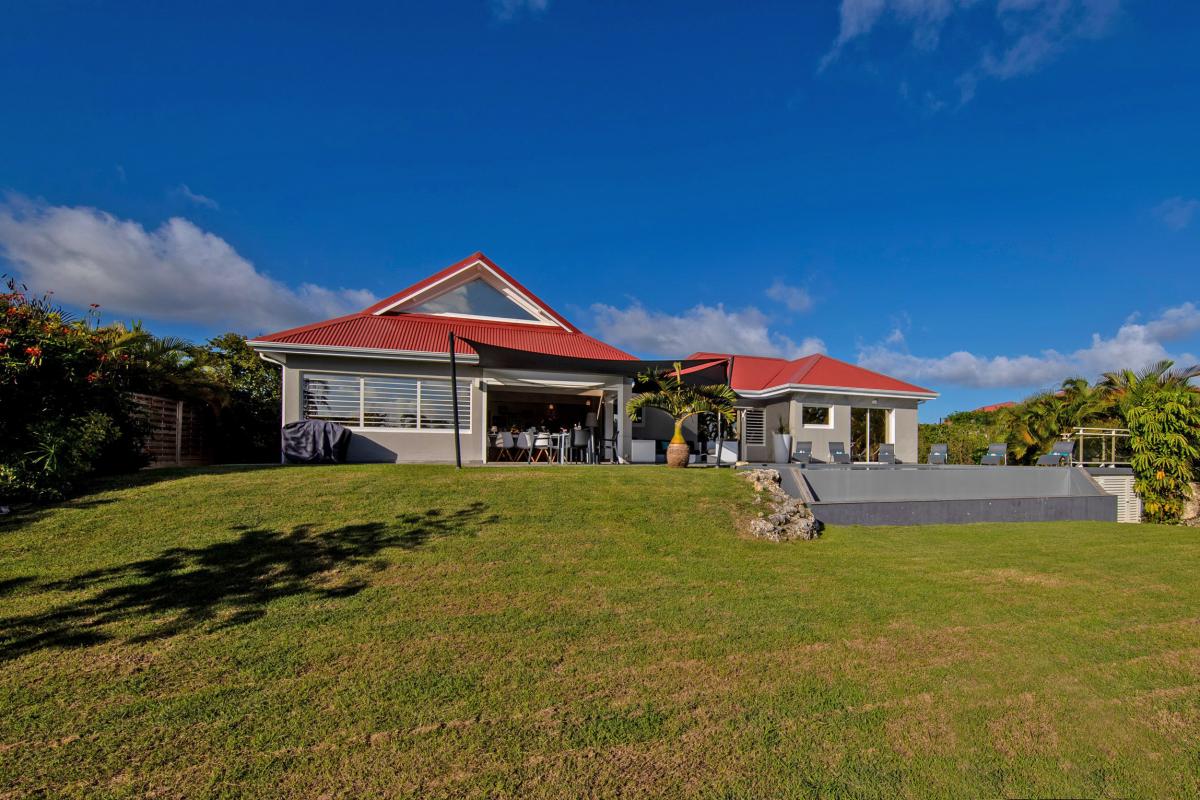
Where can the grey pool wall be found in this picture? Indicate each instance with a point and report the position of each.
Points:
(923, 495)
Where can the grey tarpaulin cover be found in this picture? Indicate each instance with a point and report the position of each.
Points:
(313, 442)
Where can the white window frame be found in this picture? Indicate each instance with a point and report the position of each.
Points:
(362, 376)
(828, 426)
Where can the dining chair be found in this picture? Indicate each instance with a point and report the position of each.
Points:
(524, 445)
(543, 445)
(580, 439)
(505, 445)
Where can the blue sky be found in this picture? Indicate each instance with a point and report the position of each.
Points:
(982, 197)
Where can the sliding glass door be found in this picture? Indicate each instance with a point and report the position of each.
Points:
(868, 430)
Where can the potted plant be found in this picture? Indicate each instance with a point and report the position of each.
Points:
(782, 439)
(666, 390)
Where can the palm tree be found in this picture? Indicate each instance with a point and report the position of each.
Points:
(162, 364)
(666, 390)
(1043, 419)
(1126, 387)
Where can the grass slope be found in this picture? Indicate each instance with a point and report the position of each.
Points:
(413, 631)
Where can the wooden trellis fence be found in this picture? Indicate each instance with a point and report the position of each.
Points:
(177, 432)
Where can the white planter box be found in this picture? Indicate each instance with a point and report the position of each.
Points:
(641, 451)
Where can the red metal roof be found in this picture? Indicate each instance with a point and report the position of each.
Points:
(758, 373)
(425, 333)
(997, 406)
(429, 334)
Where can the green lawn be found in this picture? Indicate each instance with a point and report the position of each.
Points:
(554, 632)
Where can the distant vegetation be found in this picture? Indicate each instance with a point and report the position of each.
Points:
(1158, 405)
(65, 410)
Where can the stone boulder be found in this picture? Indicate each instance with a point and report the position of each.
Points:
(786, 518)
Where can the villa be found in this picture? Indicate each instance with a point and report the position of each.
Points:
(384, 373)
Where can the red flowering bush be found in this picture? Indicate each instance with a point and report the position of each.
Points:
(64, 411)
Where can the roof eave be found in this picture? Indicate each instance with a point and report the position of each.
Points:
(286, 348)
(774, 391)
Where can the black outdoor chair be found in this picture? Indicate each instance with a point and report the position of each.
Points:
(838, 453)
(803, 454)
(939, 454)
(887, 454)
(996, 455)
(1059, 455)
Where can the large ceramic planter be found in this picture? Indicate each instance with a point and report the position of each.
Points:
(678, 454)
(783, 447)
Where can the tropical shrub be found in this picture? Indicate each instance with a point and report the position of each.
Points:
(65, 451)
(64, 410)
(1164, 427)
(247, 423)
(966, 435)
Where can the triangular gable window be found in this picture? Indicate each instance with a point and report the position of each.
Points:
(476, 298)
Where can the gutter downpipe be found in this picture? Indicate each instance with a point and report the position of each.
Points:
(282, 403)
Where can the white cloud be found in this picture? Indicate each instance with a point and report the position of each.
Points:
(176, 272)
(195, 197)
(505, 10)
(702, 328)
(794, 298)
(1177, 212)
(1023, 36)
(858, 17)
(1134, 345)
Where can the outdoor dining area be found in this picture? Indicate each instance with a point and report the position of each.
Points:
(545, 428)
(577, 445)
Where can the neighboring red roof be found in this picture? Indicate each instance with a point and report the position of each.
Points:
(997, 406)
(425, 333)
(758, 373)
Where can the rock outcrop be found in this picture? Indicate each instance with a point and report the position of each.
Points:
(785, 518)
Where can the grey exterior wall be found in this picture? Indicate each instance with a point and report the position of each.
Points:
(774, 412)
(956, 512)
(946, 483)
(658, 424)
(903, 433)
(370, 445)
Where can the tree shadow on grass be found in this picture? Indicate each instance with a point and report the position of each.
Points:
(226, 583)
(21, 517)
(24, 514)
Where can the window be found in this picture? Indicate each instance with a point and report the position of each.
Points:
(332, 398)
(755, 427)
(391, 403)
(476, 298)
(816, 416)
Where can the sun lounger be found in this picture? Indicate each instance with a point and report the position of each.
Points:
(838, 453)
(887, 454)
(997, 454)
(939, 454)
(803, 454)
(1059, 455)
